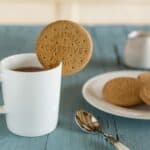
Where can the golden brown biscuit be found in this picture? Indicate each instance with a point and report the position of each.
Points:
(145, 93)
(67, 42)
(122, 91)
(144, 77)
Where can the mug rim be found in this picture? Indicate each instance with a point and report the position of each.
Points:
(30, 54)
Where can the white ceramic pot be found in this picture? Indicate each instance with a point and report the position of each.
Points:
(137, 51)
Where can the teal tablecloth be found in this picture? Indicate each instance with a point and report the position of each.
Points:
(109, 42)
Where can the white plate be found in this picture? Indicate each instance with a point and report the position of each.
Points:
(92, 92)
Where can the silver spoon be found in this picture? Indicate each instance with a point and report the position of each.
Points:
(88, 123)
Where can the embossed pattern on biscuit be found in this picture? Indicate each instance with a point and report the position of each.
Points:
(67, 42)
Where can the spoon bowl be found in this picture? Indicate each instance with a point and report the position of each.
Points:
(86, 121)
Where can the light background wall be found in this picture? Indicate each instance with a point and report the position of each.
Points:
(83, 11)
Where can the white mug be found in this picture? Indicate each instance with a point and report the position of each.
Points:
(31, 99)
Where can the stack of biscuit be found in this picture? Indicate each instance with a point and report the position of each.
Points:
(128, 91)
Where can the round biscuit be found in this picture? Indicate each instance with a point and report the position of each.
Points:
(144, 77)
(67, 42)
(145, 93)
(122, 91)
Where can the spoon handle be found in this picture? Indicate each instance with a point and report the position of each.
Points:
(118, 145)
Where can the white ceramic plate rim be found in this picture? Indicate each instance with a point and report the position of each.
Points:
(110, 108)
